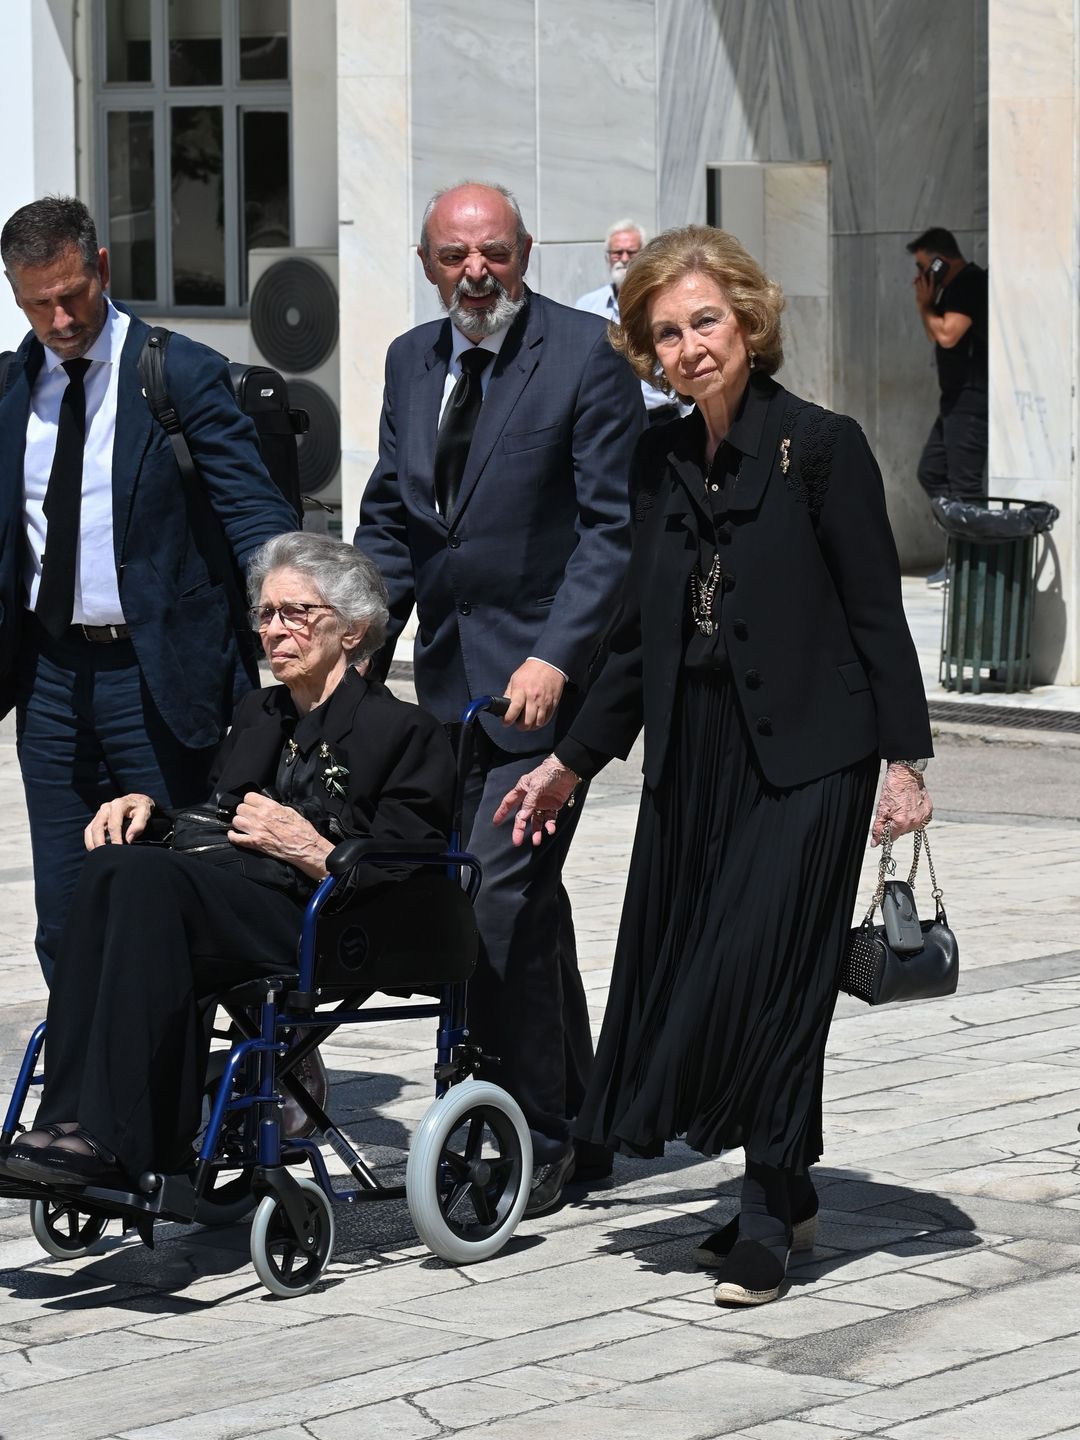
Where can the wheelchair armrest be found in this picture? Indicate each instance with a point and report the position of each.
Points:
(363, 849)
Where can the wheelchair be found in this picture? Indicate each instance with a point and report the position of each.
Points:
(469, 1165)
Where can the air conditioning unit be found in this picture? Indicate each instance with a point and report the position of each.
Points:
(293, 314)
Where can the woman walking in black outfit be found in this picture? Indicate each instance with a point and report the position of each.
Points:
(763, 646)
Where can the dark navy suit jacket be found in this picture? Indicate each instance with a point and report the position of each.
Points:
(179, 615)
(531, 559)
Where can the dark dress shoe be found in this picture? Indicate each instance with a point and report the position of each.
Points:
(751, 1274)
(715, 1248)
(546, 1191)
(57, 1164)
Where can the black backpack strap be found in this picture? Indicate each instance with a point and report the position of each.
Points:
(217, 551)
(156, 390)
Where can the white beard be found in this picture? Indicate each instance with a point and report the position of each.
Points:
(481, 323)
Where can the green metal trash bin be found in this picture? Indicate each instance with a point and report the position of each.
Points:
(989, 591)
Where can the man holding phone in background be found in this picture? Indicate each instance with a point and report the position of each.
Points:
(951, 297)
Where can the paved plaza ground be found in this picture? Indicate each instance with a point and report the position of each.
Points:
(942, 1302)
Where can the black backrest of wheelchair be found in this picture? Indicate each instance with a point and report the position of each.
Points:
(411, 933)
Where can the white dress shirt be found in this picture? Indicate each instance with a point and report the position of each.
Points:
(97, 592)
(605, 302)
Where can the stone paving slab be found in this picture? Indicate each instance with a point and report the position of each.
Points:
(943, 1299)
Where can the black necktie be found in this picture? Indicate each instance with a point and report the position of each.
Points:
(63, 498)
(456, 428)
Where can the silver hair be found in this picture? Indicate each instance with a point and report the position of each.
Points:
(624, 225)
(346, 579)
(521, 233)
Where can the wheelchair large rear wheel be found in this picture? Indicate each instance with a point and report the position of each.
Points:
(287, 1263)
(65, 1230)
(469, 1170)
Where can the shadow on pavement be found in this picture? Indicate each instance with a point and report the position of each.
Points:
(857, 1217)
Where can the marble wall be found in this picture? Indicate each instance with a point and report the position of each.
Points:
(890, 95)
(373, 162)
(593, 109)
(1035, 296)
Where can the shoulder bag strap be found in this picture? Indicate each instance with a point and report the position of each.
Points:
(156, 390)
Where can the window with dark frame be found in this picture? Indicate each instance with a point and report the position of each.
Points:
(193, 105)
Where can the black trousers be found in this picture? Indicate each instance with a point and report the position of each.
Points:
(526, 1000)
(953, 461)
(150, 934)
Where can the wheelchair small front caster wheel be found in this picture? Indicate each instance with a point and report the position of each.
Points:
(287, 1263)
(62, 1229)
(468, 1174)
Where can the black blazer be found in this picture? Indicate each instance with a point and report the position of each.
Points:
(401, 768)
(178, 612)
(822, 658)
(531, 560)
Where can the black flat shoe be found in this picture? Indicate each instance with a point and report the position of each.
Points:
(57, 1165)
(750, 1275)
(52, 1131)
(546, 1191)
(715, 1248)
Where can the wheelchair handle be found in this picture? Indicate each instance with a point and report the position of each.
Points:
(493, 705)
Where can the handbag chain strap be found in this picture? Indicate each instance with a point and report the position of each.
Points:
(887, 867)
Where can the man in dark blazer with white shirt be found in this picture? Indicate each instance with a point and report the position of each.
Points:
(118, 648)
(499, 508)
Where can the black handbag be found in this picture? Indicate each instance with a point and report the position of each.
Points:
(202, 831)
(879, 969)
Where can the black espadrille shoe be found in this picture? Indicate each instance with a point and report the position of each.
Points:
(751, 1274)
(715, 1248)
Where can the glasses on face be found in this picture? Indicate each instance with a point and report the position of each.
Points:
(623, 250)
(293, 614)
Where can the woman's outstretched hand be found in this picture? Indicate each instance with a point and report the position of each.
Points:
(119, 822)
(537, 798)
(904, 803)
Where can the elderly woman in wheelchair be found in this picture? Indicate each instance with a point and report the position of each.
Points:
(158, 930)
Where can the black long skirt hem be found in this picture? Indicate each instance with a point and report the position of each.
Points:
(724, 981)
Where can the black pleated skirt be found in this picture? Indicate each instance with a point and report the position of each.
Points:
(738, 900)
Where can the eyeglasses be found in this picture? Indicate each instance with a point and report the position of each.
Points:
(624, 250)
(294, 614)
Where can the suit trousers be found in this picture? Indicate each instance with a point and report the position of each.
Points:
(527, 1004)
(152, 934)
(953, 461)
(87, 731)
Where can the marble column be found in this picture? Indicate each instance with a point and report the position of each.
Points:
(373, 222)
(1034, 130)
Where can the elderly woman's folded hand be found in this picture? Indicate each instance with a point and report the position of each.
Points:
(277, 830)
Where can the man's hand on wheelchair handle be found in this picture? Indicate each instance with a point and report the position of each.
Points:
(262, 824)
(534, 691)
(119, 822)
(537, 797)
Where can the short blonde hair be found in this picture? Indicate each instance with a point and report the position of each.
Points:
(698, 250)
